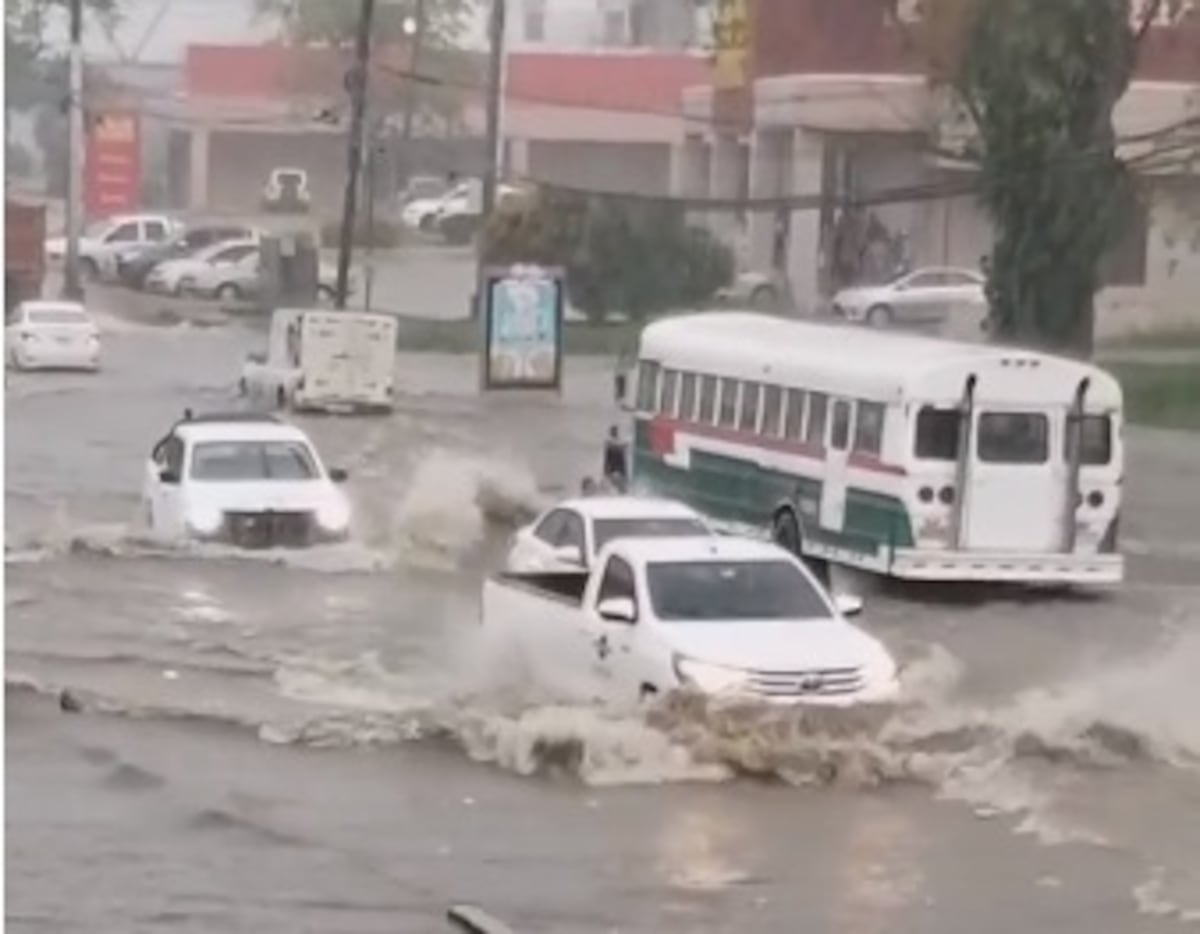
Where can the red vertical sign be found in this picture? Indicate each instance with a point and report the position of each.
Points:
(113, 165)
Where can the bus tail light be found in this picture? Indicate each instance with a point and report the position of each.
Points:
(1095, 499)
(946, 495)
(925, 494)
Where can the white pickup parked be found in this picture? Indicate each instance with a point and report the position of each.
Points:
(724, 616)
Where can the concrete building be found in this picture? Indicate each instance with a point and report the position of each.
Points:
(829, 100)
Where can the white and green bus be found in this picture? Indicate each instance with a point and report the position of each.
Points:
(912, 457)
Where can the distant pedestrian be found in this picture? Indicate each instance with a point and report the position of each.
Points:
(616, 468)
(587, 487)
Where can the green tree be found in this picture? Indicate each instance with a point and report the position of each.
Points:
(635, 257)
(1039, 82)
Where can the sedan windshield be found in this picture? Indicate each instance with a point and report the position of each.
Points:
(252, 460)
(699, 591)
(608, 529)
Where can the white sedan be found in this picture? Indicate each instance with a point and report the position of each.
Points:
(251, 481)
(52, 336)
(924, 296)
(195, 273)
(569, 536)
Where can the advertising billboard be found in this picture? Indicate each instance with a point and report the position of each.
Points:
(523, 333)
(113, 164)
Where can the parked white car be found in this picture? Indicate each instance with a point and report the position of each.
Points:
(422, 213)
(198, 272)
(251, 481)
(569, 536)
(728, 617)
(103, 243)
(924, 296)
(45, 335)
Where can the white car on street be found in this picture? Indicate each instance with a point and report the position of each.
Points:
(199, 272)
(49, 335)
(927, 296)
(727, 617)
(105, 242)
(569, 536)
(251, 481)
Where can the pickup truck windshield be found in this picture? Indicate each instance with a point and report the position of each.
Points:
(608, 529)
(698, 591)
(252, 460)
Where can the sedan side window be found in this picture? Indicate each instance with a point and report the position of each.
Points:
(573, 533)
(618, 583)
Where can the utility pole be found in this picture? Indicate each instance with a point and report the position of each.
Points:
(494, 90)
(416, 39)
(358, 80)
(72, 287)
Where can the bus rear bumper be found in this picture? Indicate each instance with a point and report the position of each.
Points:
(1096, 569)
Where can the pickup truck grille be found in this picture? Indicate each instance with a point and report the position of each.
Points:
(814, 682)
(267, 529)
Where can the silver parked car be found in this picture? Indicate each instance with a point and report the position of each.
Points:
(926, 296)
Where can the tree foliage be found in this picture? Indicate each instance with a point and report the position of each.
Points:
(1039, 82)
(637, 258)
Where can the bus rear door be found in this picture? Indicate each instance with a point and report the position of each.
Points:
(837, 455)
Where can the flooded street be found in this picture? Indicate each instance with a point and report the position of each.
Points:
(320, 741)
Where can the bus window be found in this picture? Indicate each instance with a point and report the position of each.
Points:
(772, 411)
(937, 434)
(1013, 438)
(708, 400)
(729, 401)
(1095, 432)
(749, 420)
(794, 424)
(839, 437)
(814, 433)
(868, 430)
(670, 384)
(647, 398)
(687, 396)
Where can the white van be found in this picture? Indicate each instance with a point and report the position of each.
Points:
(325, 360)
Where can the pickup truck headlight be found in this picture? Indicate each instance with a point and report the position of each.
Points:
(707, 677)
(204, 522)
(333, 516)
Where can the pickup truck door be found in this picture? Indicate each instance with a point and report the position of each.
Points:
(613, 618)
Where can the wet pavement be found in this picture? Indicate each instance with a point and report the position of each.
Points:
(322, 741)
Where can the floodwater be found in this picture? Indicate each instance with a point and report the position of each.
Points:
(322, 742)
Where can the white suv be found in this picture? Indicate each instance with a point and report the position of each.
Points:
(104, 242)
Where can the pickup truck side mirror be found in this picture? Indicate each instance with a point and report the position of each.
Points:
(569, 554)
(617, 610)
(167, 475)
(339, 475)
(848, 604)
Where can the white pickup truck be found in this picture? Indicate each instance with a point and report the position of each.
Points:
(723, 616)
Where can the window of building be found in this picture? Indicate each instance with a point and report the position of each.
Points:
(839, 435)
(687, 396)
(749, 419)
(937, 434)
(794, 422)
(868, 429)
(670, 387)
(1013, 438)
(818, 406)
(647, 386)
(729, 403)
(772, 406)
(535, 21)
(708, 400)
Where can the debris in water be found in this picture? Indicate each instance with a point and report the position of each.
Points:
(69, 703)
